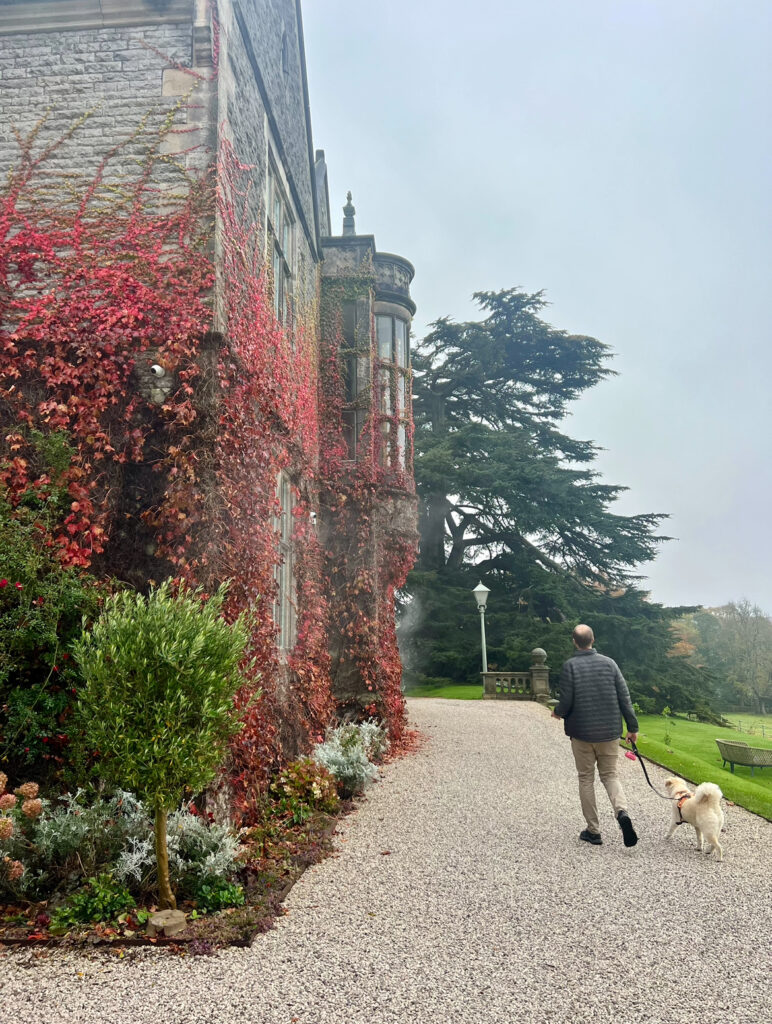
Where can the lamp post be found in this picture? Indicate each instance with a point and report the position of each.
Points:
(481, 597)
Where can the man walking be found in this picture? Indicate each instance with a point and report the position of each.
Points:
(593, 699)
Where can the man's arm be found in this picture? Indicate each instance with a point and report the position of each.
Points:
(566, 701)
(626, 705)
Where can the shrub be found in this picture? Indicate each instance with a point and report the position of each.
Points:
(218, 894)
(645, 705)
(101, 899)
(42, 607)
(374, 739)
(345, 754)
(302, 787)
(90, 834)
(112, 834)
(160, 676)
(73, 839)
(351, 768)
(199, 850)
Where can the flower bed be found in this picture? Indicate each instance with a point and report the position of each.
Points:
(267, 880)
(82, 869)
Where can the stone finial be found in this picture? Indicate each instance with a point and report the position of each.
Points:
(539, 655)
(349, 227)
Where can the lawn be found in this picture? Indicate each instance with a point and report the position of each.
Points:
(756, 726)
(689, 749)
(474, 692)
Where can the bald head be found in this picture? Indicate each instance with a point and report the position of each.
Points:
(584, 637)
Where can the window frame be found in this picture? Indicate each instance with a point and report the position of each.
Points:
(357, 367)
(281, 232)
(394, 393)
(379, 317)
(284, 605)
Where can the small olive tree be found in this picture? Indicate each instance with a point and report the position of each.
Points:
(160, 675)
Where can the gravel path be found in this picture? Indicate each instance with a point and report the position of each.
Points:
(461, 895)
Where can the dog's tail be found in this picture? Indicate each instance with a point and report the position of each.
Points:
(708, 793)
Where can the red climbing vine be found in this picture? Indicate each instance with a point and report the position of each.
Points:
(364, 500)
(182, 399)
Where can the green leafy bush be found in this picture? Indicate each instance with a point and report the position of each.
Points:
(42, 608)
(217, 894)
(303, 787)
(160, 675)
(645, 705)
(101, 899)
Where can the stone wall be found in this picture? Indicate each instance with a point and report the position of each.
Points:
(114, 75)
(263, 109)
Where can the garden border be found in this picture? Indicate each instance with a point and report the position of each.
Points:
(88, 940)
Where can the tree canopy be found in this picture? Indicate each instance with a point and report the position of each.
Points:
(497, 480)
(506, 496)
(734, 644)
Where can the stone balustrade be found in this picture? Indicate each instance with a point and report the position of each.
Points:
(530, 685)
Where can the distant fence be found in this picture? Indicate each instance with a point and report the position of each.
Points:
(762, 727)
(736, 709)
(753, 730)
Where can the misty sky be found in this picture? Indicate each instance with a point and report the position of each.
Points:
(617, 155)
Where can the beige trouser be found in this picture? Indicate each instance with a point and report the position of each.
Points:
(606, 755)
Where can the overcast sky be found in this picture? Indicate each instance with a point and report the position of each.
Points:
(617, 155)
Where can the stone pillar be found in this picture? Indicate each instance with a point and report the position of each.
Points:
(540, 676)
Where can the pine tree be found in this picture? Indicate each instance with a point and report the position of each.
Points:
(497, 480)
(506, 496)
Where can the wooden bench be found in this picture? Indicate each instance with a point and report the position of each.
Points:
(737, 752)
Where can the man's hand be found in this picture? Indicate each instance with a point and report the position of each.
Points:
(632, 737)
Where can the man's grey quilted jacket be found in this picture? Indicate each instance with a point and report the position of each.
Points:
(593, 698)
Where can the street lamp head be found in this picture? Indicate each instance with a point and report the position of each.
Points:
(481, 594)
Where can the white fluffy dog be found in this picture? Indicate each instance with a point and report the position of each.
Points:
(702, 809)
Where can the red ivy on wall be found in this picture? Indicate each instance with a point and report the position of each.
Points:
(98, 284)
(361, 499)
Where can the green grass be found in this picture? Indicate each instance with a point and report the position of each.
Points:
(454, 692)
(756, 727)
(690, 751)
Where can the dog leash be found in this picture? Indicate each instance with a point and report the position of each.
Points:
(637, 752)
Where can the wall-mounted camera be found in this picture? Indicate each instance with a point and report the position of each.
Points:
(156, 382)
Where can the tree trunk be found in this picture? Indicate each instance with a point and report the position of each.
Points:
(166, 896)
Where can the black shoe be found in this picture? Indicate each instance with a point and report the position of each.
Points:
(591, 837)
(628, 832)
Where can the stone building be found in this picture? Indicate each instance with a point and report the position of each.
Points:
(232, 74)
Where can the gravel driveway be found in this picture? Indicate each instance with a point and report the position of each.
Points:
(460, 893)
